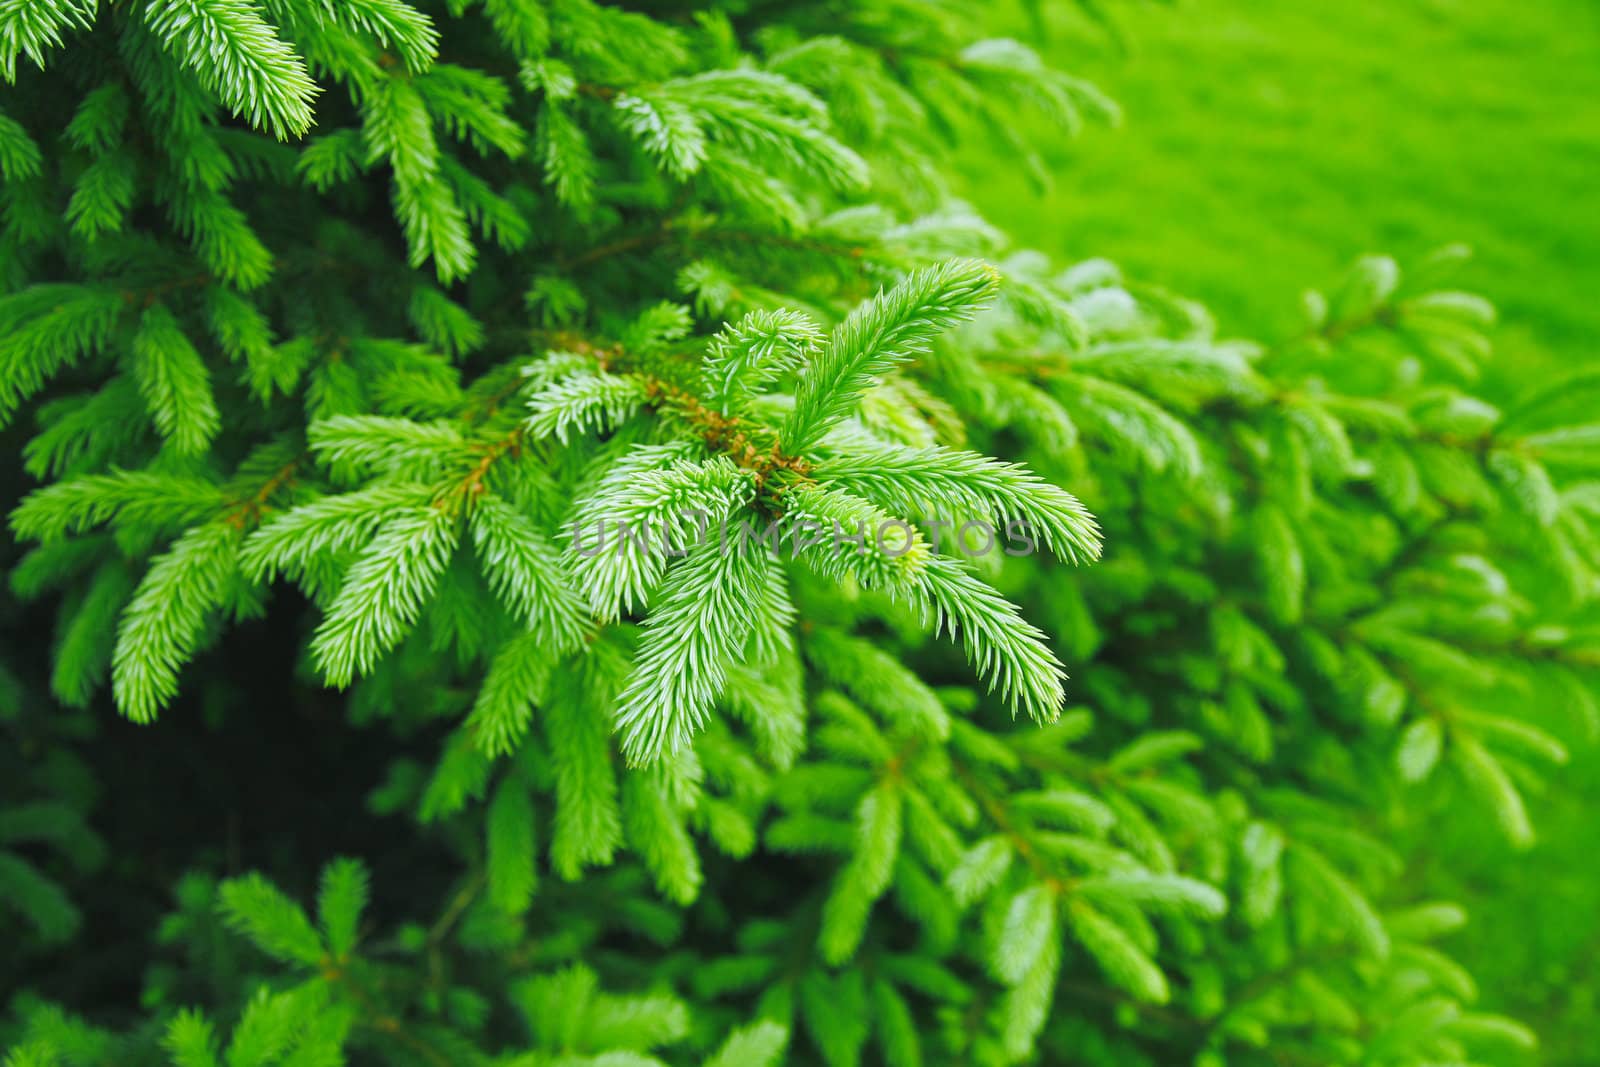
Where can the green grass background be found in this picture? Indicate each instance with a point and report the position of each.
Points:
(1267, 143)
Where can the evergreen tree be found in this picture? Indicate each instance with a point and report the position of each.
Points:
(363, 325)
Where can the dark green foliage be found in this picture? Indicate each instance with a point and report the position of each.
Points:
(333, 334)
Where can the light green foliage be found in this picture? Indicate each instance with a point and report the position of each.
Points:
(384, 591)
(877, 336)
(30, 29)
(340, 904)
(693, 633)
(272, 921)
(511, 849)
(173, 380)
(238, 56)
(751, 353)
(48, 328)
(165, 621)
(537, 445)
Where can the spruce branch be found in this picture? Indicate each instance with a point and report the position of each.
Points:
(19, 156)
(164, 623)
(144, 499)
(46, 329)
(649, 505)
(333, 524)
(240, 57)
(954, 482)
(694, 633)
(584, 401)
(1331, 576)
(844, 537)
(752, 353)
(524, 571)
(29, 27)
(1011, 653)
(394, 23)
(878, 336)
(384, 591)
(174, 382)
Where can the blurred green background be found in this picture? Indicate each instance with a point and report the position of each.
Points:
(1267, 143)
